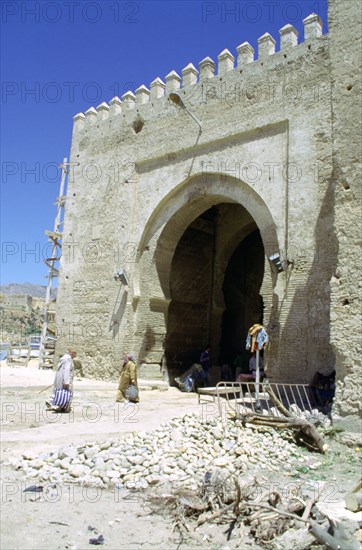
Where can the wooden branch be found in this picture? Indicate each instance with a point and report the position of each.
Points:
(308, 431)
(279, 405)
(308, 508)
(271, 508)
(192, 505)
(318, 532)
(215, 515)
(238, 495)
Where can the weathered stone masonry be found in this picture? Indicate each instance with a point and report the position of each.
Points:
(192, 214)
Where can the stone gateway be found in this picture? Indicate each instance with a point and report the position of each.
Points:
(225, 197)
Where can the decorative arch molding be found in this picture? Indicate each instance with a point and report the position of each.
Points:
(177, 210)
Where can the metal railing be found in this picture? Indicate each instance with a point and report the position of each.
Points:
(240, 398)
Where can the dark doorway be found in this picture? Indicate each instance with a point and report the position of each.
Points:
(243, 302)
(195, 314)
(189, 314)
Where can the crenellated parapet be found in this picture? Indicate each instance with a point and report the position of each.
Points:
(115, 106)
(288, 37)
(266, 46)
(142, 94)
(128, 101)
(312, 26)
(191, 76)
(207, 68)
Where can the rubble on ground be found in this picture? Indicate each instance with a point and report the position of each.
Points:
(178, 452)
(204, 473)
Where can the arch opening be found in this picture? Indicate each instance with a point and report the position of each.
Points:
(216, 273)
(244, 304)
(225, 211)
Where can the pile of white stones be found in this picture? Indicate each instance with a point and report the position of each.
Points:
(178, 452)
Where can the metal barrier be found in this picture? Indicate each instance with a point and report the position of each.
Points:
(240, 398)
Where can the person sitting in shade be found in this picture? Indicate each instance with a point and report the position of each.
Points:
(241, 365)
(205, 361)
(128, 377)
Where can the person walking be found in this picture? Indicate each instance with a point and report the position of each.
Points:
(128, 378)
(63, 381)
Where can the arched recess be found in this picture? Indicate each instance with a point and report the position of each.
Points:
(164, 229)
(244, 305)
(184, 204)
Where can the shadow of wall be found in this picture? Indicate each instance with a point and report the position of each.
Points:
(303, 334)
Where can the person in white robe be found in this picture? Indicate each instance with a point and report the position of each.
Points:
(63, 379)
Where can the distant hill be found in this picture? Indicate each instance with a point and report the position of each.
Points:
(38, 291)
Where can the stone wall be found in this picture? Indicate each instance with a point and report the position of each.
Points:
(143, 170)
(345, 55)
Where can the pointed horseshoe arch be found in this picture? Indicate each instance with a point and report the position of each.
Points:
(184, 204)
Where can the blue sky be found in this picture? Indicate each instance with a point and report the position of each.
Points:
(62, 57)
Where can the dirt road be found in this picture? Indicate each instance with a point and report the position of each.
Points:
(68, 516)
(26, 425)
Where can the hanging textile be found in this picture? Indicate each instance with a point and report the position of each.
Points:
(257, 338)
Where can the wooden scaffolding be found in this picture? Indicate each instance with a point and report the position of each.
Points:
(48, 335)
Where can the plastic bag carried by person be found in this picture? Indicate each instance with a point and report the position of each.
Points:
(132, 393)
(62, 398)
